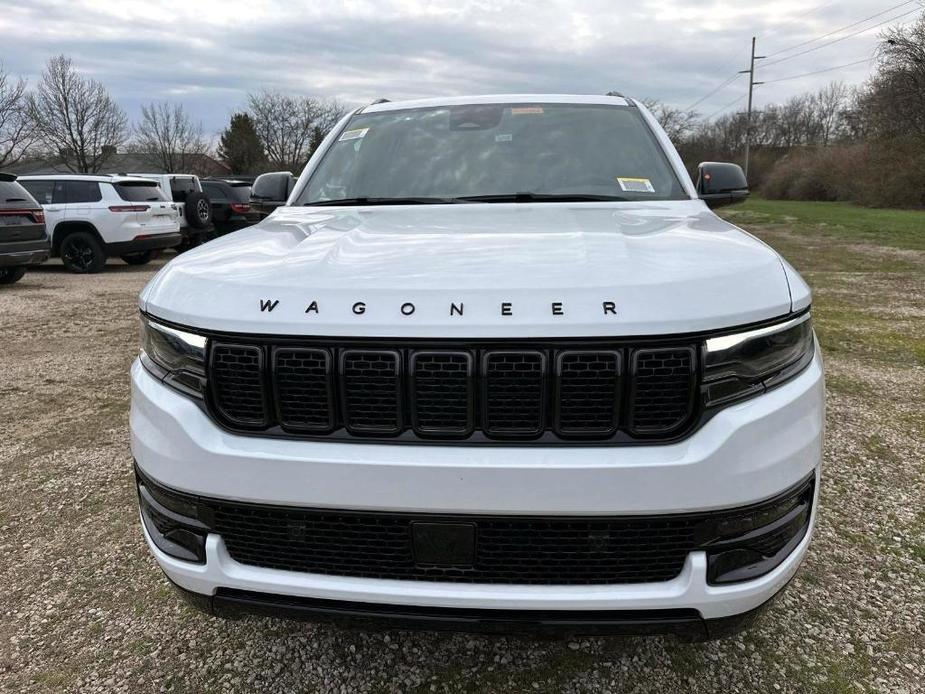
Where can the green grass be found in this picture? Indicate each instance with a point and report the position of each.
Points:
(882, 227)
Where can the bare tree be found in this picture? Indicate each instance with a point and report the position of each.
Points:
(289, 127)
(828, 106)
(15, 134)
(76, 117)
(168, 135)
(677, 123)
(895, 100)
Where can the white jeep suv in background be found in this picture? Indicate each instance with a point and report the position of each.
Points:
(91, 217)
(495, 365)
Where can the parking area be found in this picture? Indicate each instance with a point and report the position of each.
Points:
(85, 608)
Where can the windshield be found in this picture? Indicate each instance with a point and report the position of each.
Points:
(503, 151)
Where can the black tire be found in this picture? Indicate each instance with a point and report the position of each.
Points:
(82, 253)
(11, 275)
(198, 210)
(141, 258)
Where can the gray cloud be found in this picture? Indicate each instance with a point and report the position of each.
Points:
(210, 54)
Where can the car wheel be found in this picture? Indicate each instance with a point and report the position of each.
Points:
(82, 253)
(142, 258)
(11, 275)
(198, 210)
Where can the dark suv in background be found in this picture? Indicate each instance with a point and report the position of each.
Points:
(231, 207)
(23, 239)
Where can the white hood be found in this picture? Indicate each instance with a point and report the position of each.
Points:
(510, 270)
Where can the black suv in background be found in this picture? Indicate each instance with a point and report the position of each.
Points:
(231, 207)
(23, 240)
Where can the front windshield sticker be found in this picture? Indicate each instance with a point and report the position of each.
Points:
(635, 185)
(353, 134)
(504, 137)
(526, 110)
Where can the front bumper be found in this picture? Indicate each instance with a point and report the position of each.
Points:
(745, 454)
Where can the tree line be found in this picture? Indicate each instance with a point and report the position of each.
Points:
(863, 144)
(74, 120)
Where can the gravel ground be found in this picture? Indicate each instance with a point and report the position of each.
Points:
(84, 607)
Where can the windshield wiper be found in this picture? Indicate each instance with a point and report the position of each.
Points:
(543, 197)
(386, 201)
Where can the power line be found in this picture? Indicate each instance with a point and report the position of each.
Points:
(835, 31)
(725, 83)
(723, 108)
(818, 72)
(838, 40)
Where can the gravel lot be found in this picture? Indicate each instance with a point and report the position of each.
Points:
(84, 607)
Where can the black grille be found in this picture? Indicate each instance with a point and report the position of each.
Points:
(514, 395)
(544, 550)
(662, 395)
(372, 391)
(237, 383)
(589, 392)
(481, 393)
(304, 388)
(442, 388)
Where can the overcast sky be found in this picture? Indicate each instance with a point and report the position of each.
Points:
(209, 54)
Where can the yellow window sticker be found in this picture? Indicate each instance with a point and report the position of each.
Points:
(353, 134)
(635, 185)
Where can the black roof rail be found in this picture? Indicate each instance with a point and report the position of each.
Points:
(7, 176)
(379, 101)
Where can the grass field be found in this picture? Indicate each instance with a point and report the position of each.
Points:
(842, 222)
(85, 609)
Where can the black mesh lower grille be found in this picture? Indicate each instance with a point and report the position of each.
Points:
(663, 381)
(508, 550)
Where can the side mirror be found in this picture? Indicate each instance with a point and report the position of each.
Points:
(271, 190)
(720, 184)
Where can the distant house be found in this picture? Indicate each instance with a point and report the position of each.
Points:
(122, 162)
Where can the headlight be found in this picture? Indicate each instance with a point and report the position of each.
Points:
(747, 363)
(176, 357)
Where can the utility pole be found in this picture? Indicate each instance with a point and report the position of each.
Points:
(748, 115)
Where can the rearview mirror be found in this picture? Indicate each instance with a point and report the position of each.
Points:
(721, 183)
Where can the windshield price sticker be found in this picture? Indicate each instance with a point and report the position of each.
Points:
(635, 185)
(353, 134)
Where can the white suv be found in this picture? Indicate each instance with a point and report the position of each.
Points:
(92, 217)
(496, 365)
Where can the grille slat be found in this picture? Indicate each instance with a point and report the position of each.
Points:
(237, 382)
(513, 397)
(304, 389)
(663, 381)
(588, 396)
(456, 390)
(370, 381)
(442, 393)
